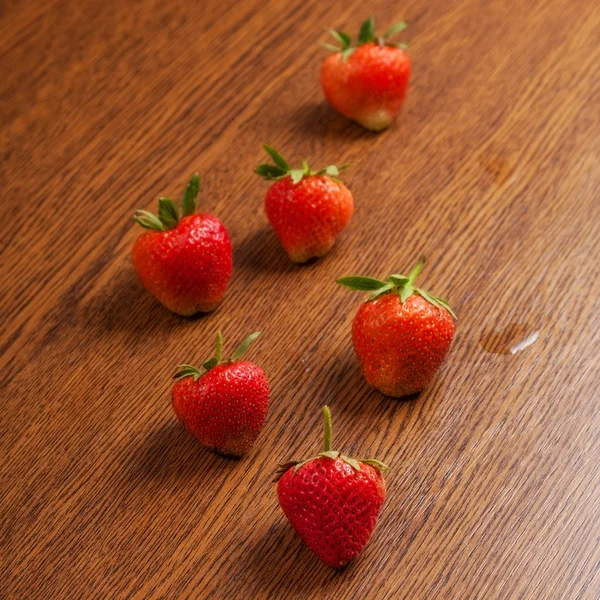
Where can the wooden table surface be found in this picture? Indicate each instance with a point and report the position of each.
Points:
(491, 171)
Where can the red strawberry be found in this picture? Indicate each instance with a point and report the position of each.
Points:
(307, 209)
(223, 404)
(332, 501)
(367, 82)
(402, 334)
(184, 263)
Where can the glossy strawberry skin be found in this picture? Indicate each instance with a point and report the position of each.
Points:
(332, 507)
(186, 268)
(370, 86)
(308, 216)
(401, 346)
(226, 408)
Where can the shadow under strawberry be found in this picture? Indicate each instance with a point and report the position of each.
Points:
(278, 563)
(170, 453)
(261, 251)
(124, 305)
(347, 389)
(320, 120)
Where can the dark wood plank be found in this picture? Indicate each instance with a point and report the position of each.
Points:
(492, 171)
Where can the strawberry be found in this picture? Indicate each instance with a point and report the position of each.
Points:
(307, 209)
(367, 82)
(402, 334)
(223, 404)
(332, 500)
(184, 262)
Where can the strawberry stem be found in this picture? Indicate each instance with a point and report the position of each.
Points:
(327, 453)
(412, 276)
(327, 425)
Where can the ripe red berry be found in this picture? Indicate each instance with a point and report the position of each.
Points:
(184, 262)
(367, 82)
(332, 501)
(402, 334)
(223, 404)
(307, 209)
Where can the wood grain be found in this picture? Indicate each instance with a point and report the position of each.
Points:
(491, 171)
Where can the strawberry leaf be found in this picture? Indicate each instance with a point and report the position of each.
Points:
(398, 280)
(406, 291)
(148, 220)
(282, 168)
(283, 467)
(364, 284)
(343, 39)
(352, 462)
(333, 454)
(381, 291)
(168, 213)
(188, 204)
(287, 465)
(332, 171)
(347, 39)
(296, 175)
(301, 464)
(366, 35)
(243, 347)
(330, 47)
(446, 306)
(367, 32)
(184, 371)
(374, 463)
(437, 302)
(346, 54)
(394, 29)
(431, 299)
(277, 158)
(270, 172)
(211, 363)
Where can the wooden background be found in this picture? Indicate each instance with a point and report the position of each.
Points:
(491, 171)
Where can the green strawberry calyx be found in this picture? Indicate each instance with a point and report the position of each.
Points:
(168, 212)
(282, 169)
(328, 453)
(366, 35)
(395, 283)
(184, 371)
